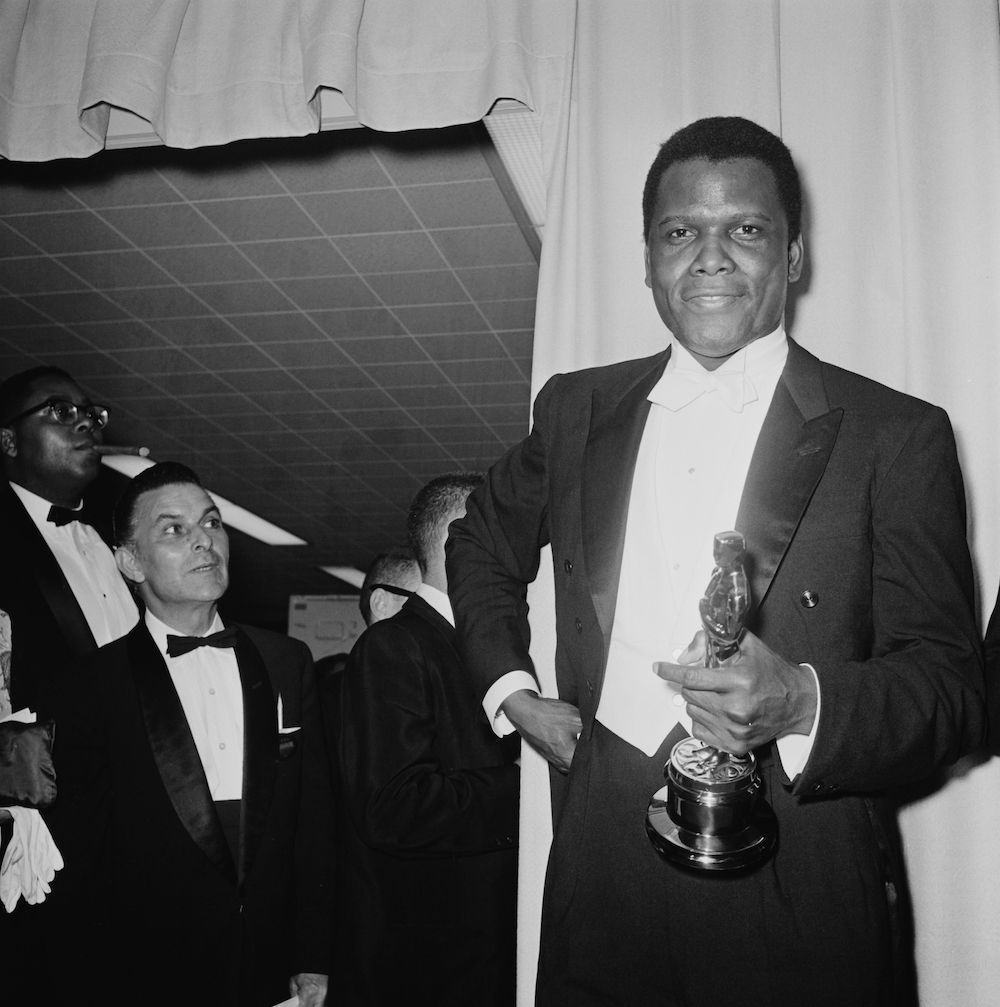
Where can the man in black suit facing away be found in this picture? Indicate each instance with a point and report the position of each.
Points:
(429, 796)
(860, 668)
(193, 778)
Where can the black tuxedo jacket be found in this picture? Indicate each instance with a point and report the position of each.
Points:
(178, 920)
(50, 631)
(426, 897)
(854, 494)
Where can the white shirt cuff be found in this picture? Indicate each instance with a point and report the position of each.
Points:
(506, 685)
(794, 749)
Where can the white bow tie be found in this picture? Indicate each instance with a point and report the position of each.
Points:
(679, 387)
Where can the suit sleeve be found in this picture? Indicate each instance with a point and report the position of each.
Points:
(314, 836)
(993, 679)
(916, 703)
(493, 554)
(406, 798)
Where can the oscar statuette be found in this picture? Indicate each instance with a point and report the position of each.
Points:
(710, 815)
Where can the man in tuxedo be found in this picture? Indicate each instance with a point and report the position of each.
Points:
(65, 598)
(429, 796)
(393, 577)
(860, 668)
(193, 778)
(58, 583)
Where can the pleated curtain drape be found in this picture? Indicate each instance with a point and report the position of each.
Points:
(891, 109)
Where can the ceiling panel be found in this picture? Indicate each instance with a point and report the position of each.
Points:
(317, 325)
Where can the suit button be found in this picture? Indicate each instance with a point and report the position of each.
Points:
(579, 625)
(817, 788)
(809, 599)
(590, 688)
(568, 566)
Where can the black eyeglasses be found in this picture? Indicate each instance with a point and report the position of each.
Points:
(65, 412)
(392, 589)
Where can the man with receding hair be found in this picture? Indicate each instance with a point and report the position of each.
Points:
(429, 823)
(193, 779)
(860, 668)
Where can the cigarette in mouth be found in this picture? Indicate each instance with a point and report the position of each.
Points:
(121, 449)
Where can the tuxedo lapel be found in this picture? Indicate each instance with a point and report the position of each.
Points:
(260, 749)
(30, 553)
(616, 426)
(174, 750)
(789, 460)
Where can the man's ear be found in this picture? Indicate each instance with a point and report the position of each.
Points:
(379, 603)
(796, 258)
(8, 442)
(128, 565)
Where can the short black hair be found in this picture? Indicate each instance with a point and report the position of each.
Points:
(395, 567)
(154, 478)
(725, 138)
(16, 390)
(432, 507)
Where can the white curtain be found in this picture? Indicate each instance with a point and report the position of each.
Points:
(891, 108)
(206, 72)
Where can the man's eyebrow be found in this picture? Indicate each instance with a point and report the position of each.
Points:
(175, 516)
(755, 214)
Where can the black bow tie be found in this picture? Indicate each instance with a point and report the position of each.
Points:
(62, 515)
(177, 646)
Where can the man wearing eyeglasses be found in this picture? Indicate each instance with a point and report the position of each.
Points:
(65, 598)
(59, 584)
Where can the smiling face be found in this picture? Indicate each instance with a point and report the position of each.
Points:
(718, 259)
(41, 454)
(178, 555)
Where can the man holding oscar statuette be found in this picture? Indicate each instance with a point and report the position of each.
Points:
(859, 668)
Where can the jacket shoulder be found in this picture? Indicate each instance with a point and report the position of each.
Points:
(268, 642)
(605, 377)
(850, 389)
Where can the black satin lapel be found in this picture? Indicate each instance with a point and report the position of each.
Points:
(260, 749)
(606, 484)
(30, 552)
(788, 462)
(174, 751)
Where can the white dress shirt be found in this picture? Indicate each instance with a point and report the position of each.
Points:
(89, 568)
(207, 681)
(693, 459)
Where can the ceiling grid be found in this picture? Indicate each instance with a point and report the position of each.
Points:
(317, 326)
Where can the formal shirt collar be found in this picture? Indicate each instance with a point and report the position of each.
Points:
(755, 358)
(737, 381)
(36, 506)
(159, 631)
(437, 600)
